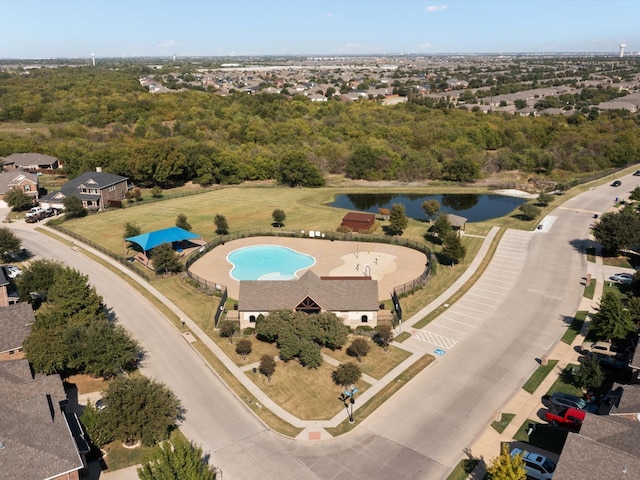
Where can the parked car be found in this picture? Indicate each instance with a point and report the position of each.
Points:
(606, 361)
(11, 271)
(537, 466)
(570, 418)
(636, 173)
(605, 348)
(34, 211)
(617, 183)
(35, 217)
(566, 400)
(622, 277)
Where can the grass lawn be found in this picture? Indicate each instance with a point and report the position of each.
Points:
(576, 325)
(258, 348)
(543, 436)
(505, 420)
(402, 337)
(377, 363)
(561, 384)
(309, 394)
(87, 383)
(622, 261)
(590, 289)
(538, 376)
(120, 457)
(463, 469)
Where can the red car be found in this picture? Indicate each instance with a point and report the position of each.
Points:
(570, 418)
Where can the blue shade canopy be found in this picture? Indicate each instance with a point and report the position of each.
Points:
(151, 240)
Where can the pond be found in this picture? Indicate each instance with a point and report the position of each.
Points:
(474, 207)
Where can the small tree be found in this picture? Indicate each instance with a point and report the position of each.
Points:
(544, 199)
(165, 260)
(346, 374)
(177, 459)
(156, 192)
(9, 244)
(18, 200)
(131, 230)
(267, 366)
(529, 211)
(442, 226)
(359, 348)
(398, 220)
(430, 208)
(452, 248)
(228, 329)
(384, 336)
(243, 347)
(507, 467)
(222, 227)
(181, 222)
(73, 208)
(589, 375)
(278, 217)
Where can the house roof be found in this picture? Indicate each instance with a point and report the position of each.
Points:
(26, 159)
(606, 447)
(358, 221)
(92, 180)
(150, 240)
(37, 440)
(15, 325)
(331, 295)
(13, 178)
(626, 399)
(456, 220)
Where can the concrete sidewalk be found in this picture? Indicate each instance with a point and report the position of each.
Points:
(527, 406)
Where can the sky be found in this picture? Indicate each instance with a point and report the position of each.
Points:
(39, 29)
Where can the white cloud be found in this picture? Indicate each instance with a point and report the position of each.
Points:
(435, 8)
(329, 15)
(424, 46)
(167, 44)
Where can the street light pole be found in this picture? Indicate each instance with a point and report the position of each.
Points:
(351, 393)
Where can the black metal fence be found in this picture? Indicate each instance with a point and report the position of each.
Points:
(331, 236)
(220, 310)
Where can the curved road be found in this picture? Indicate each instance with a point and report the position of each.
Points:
(422, 431)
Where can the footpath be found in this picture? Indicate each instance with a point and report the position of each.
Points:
(526, 406)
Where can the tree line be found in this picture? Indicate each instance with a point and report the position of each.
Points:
(100, 117)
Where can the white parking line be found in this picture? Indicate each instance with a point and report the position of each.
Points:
(434, 339)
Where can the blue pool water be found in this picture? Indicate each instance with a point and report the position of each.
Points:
(267, 262)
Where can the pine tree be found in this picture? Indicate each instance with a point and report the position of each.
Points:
(398, 220)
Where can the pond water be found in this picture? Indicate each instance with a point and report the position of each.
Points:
(474, 207)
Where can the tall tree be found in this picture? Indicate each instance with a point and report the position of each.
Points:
(18, 200)
(506, 466)
(176, 460)
(618, 231)
(181, 222)
(222, 227)
(36, 279)
(165, 260)
(9, 244)
(296, 170)
(73, 208)
(228, 329)
(612, 320)
(430, 208)
(529, 211)
(384, 335)
(398, 220)
(589, 375)
(139, 408)
(73, 296)
(442, 227)
(452, 247)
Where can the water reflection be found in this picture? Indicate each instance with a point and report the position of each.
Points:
(475, 207)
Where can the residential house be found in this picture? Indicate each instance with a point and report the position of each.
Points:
(39, 439)
(606, 447)
(15, 326)
(31, 161)
(353, 299)
(95, 189)
(359, 222)
(25, 181)
(8, 295)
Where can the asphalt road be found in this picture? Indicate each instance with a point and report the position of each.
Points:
(422, 431)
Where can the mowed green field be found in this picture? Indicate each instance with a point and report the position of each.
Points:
(244, 208)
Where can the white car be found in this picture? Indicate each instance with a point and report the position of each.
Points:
(622, 278)
(11, 271)
(537, 466)
(34, 211)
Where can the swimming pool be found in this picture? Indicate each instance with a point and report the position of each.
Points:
(267, 262)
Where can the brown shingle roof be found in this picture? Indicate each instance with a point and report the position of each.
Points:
(15, 325)
(358, 221)
(331, 295)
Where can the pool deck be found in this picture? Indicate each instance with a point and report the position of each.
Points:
(390, 265)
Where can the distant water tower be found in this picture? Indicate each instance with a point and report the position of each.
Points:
(622, 47)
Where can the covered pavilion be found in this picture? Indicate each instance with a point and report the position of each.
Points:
(179, 239)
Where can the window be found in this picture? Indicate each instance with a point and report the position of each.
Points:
(252, 319)
(27, 188)
(112, 188)
(364, 319)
